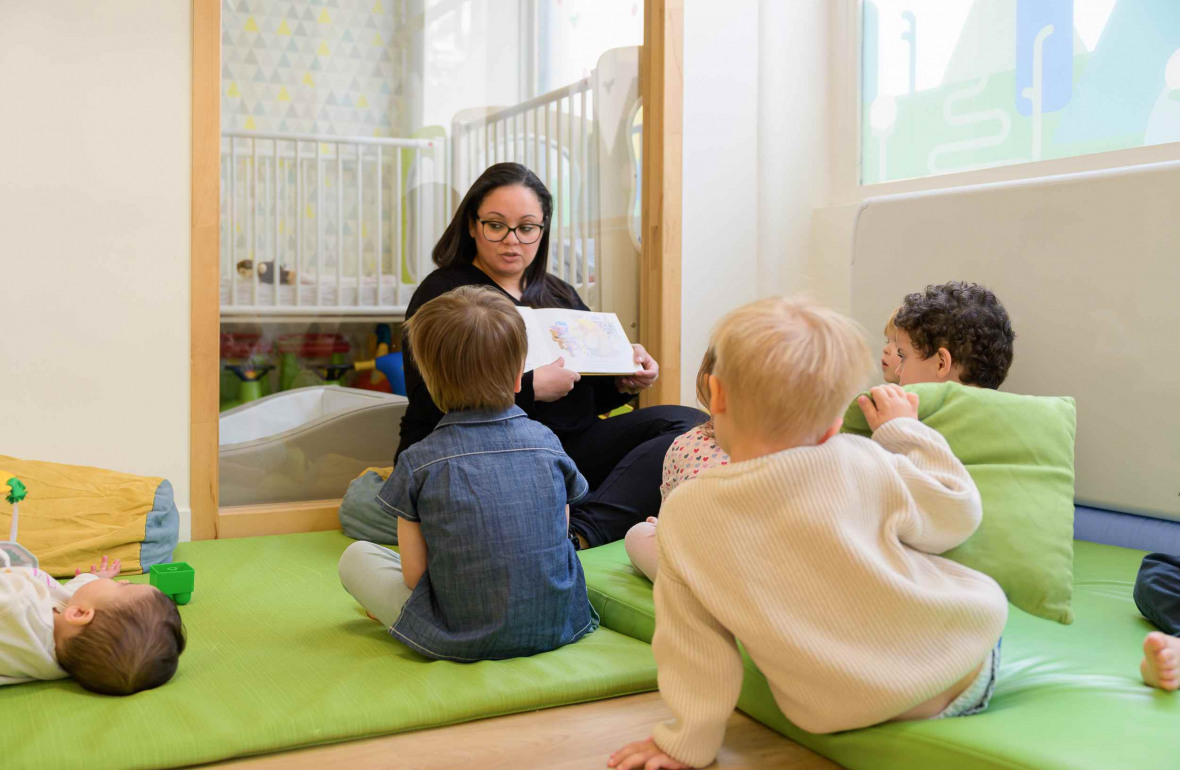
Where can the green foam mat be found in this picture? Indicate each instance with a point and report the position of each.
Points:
(280, 657)
(620, 593)
(1066, 696)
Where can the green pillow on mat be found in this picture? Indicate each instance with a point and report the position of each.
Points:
(1020, 452)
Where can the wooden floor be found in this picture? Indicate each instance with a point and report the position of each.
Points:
(570, 737)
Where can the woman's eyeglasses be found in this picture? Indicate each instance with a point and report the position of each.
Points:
(497, 231)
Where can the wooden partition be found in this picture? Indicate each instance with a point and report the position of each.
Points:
(661, 83)
(204, 291)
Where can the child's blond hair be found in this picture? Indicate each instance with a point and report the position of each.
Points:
(891, 324)
(470, 345)
(789, 367)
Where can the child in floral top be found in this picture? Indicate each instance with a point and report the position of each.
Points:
(690, 455)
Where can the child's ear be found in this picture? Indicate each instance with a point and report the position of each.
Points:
(716, 395)
(945, 363)
(77, 616)
(516, 388)
(832, 430)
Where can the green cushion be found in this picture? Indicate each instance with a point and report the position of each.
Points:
(619, 592)
(1067, 696)
(280, 657)
(1019, 450)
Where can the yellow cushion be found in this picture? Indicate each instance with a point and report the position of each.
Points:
(74, 515)
(384, 473)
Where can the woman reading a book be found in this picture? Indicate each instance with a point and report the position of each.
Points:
(499, 237)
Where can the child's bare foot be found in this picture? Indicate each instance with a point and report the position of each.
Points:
(369, 615)
(1161, 661)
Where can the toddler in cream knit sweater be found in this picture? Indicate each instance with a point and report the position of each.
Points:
(817, 550)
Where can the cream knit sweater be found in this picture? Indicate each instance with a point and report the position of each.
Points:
(820, 560)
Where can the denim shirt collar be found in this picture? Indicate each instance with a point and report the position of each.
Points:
(476, 416)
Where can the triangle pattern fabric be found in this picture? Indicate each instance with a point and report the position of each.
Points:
(322, 67)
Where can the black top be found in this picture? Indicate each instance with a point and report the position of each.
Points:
(570, 414)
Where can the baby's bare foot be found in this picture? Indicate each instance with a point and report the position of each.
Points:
(1161, 661)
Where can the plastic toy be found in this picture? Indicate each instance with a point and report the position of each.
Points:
(334, 373)
(12, 554)
(251, 377)
(380, 343)
(246, 380)
(391, 366)
(177, 580)
(295, 371)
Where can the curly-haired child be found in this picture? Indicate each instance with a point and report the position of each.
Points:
(954, 332)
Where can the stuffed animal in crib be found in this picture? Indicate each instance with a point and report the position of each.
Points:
(266, 272)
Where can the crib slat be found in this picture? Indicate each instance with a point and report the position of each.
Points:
(469, 161)
(571, 197)
(560, 197)
(298, 218)
(339, 223)
(441, 174)
(418, 218)
(397, 227)
(233, 235)
(584, 186)
(254, 215)
(597, 210)
(360, 222)
(277, 261)
(319, 225)
(380, 244)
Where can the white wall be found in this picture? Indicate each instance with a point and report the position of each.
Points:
(94, 234)
(755, 160)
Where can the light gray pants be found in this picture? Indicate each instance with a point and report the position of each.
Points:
(373, 575)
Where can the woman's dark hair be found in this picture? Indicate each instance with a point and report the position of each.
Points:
(457, 247)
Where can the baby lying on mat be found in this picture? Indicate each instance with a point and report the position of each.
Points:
(115, 638)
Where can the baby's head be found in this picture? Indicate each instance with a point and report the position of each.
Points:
(470, 345)
(786, 371)
(954, 332)
(889, 359)
(118, 638)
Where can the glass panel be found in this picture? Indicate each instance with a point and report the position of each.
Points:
(958, 85)
(350, 131)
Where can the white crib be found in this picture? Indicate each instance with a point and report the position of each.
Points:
(345, 225)
(577, 139)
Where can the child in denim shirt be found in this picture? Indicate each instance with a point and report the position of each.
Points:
(486, 569)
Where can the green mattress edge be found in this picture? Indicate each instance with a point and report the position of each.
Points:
(1066, 696)
(280, 657)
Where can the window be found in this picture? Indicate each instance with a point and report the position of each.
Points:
(959, 85)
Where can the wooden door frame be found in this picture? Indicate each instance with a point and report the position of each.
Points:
(205, 311)
(661, 87)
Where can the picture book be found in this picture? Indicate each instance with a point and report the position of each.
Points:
(590, 343)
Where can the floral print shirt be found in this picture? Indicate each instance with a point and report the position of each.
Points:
(690, 455)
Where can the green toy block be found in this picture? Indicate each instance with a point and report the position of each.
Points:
(177, 580)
